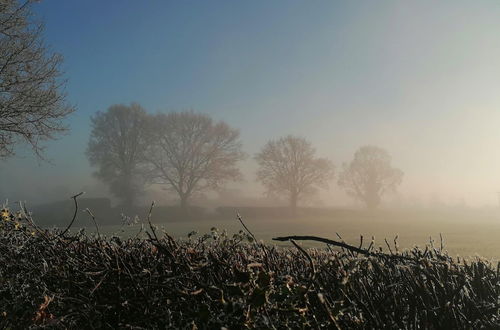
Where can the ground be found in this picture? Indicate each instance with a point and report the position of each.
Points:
(466, 233)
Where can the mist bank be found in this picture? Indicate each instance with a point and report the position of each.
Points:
(60, 213)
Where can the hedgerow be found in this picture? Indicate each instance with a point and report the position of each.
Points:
(55, 279)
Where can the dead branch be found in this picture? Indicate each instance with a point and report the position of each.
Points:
(74, 215)
(342, 245)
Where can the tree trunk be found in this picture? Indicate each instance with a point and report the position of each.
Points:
(128, 195)
(372, 201)
(184, 204)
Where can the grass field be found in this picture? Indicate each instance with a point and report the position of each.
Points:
(466, 233)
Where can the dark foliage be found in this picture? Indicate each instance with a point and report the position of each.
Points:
(48, 280)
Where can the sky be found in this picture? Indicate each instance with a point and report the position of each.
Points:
(418, 78)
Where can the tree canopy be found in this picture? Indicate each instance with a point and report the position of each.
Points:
(116, 147)
(288, 165)
(191, 153)
(32, 101)
(370, 175)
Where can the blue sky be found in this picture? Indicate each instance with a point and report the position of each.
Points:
(420, 78)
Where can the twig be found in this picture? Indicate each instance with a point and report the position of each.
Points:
(246, 228)
(313, 269)
(371, 244)
(388, 246)
(159, 246)
(342, 245)
(497, 287)
(30, 220)
(149, 220)
(93, 220)
(262, 246)
(140, 230)
(99, 284)
(332, 318)
(172, 241)
(74, 215)
(323, 240)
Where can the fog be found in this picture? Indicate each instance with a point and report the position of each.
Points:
(419, 79)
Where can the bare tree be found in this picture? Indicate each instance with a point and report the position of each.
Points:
(116, 146)
(288, 165)
(32, 104)
(370, 175)
(190, 153)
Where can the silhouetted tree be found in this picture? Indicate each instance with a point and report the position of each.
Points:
(369, 175)
(190, 153)
(32, 104)
(288, 165)
(116, 146)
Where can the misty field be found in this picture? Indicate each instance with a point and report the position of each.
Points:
(465, 233)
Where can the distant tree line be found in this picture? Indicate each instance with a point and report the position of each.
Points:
(189, 153)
